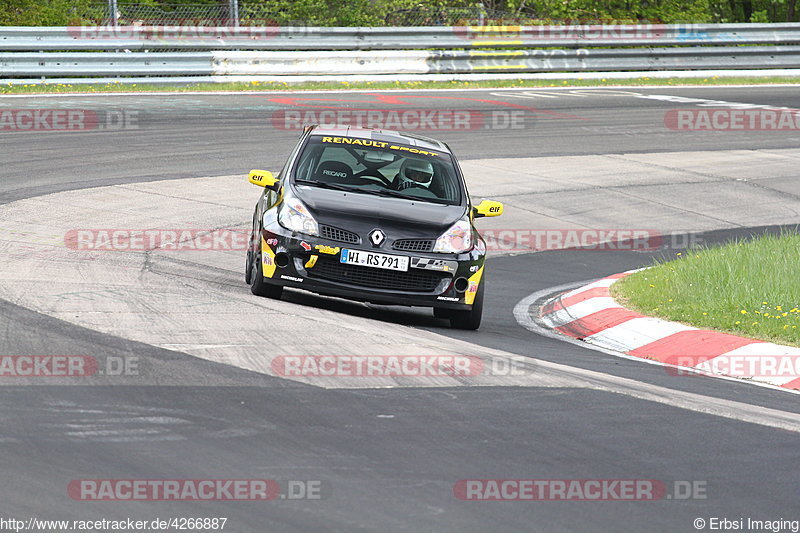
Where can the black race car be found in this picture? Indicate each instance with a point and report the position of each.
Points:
(371, 215)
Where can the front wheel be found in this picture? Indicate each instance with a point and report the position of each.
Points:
(470, 319)
(257, 285)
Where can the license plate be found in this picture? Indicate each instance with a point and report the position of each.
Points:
(371, 259)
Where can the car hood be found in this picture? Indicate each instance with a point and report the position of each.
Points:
(362, 213)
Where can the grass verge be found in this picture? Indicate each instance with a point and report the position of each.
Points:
(749, 288)
(369, 85)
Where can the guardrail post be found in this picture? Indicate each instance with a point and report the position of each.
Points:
(233, 13)
(112, 8)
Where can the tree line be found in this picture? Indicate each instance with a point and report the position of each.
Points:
(401, 12)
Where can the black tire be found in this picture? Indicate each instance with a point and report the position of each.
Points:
(248, 267)
(470, 319)
(252, 246)
(257, 285)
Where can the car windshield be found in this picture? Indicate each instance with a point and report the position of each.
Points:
(378, 167)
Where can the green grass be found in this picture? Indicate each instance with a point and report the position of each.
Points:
(271, 86)
(749, 288)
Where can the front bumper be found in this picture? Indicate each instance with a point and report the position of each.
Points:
(313, 264)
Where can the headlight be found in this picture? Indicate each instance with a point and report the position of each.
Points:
(294, 216)
(455, 240)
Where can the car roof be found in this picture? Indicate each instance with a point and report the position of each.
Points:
(395, 136)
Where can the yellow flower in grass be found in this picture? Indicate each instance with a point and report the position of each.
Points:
(738, 322)
(743, 312)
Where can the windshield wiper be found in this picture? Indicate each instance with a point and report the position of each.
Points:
(326, 185)
(398, 194)
(377, 192)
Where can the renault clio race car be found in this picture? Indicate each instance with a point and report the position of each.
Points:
(371, 215)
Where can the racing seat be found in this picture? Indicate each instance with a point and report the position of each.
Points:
(334, 172)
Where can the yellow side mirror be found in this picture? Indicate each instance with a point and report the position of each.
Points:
(488, 208)
(263, 178)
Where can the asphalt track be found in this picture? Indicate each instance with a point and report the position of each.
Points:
(389, 457)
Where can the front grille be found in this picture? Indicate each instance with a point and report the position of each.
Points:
(338, 235)
(376, 278)
(413, 245)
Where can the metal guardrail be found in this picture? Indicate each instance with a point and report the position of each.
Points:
(26, 64)
(385, 51)
(224, 63)
(134, 38)
(611, 59)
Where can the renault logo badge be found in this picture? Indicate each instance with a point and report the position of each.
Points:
(376, 237)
